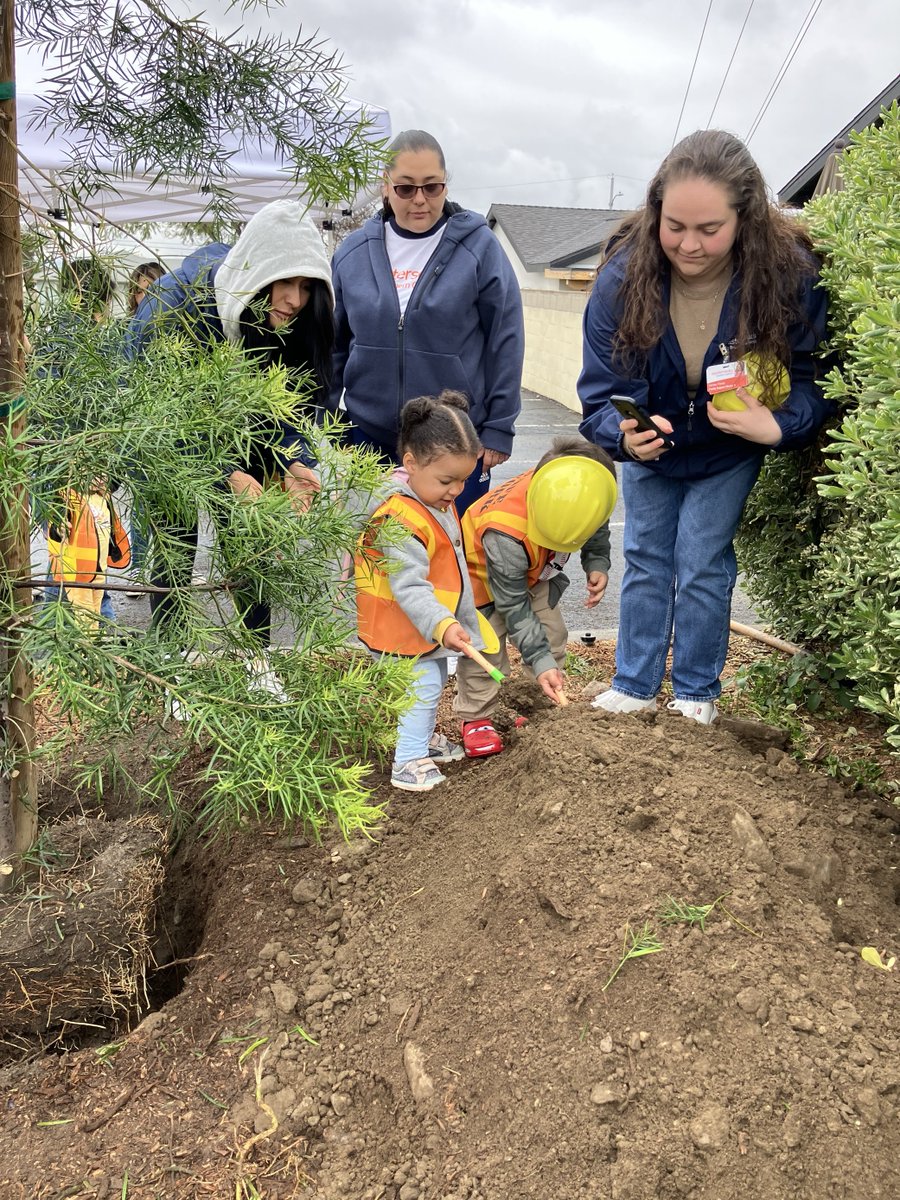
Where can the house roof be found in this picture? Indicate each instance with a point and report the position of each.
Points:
(543, 236)
(799, 189)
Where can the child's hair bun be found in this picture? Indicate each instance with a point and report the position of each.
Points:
(434, 425)
(452, 399)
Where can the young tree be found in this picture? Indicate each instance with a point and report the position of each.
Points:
(147, 87)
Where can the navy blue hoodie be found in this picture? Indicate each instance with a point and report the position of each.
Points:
(661, 388)
(462, 329)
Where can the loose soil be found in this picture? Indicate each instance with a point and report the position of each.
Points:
(428, 1016)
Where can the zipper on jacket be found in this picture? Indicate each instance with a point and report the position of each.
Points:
(690, 415)
(400, 332)
(429, 281)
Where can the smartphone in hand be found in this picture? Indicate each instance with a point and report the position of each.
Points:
(628, 409)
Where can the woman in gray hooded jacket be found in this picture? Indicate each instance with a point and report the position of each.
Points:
(271, 293)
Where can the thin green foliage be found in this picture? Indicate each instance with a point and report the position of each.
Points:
(301, 755)
(821, 533)
(636, 944)
(680, 912)
(142, 85)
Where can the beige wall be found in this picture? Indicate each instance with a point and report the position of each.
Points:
(527, 279)
(553, 344)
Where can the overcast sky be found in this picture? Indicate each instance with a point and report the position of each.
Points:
(540, 101)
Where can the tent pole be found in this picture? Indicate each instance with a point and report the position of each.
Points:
(18, 790)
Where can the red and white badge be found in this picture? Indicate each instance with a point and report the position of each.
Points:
(726, 377)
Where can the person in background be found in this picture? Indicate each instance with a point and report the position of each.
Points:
(91, 540)
(426, 299)
(708, 277)
(270, 293)
(414, 598)
(88, 291)
(140, 279)
(518, 538)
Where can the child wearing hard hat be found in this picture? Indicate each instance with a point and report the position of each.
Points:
(518, 538)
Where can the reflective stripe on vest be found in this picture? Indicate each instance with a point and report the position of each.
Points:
(75, 552)
(503, 510)
(381, 622)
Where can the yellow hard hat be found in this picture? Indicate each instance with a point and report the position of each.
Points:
(568, 500)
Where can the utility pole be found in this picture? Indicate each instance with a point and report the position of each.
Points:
(613, 194)
(18, 790)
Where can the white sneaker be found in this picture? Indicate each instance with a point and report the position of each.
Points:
(262, 678)
(617, 702)
(702, 711)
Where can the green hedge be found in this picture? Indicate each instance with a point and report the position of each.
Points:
(820, 541)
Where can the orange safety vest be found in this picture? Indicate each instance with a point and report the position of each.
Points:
(503, 509)
(381, 622)
(75, 552)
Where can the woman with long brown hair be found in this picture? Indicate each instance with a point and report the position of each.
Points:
(707, 291)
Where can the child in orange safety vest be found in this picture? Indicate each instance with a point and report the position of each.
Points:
(92, 540)
(414, 597)
(518, 538)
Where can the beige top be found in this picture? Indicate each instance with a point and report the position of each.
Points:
(695, 308)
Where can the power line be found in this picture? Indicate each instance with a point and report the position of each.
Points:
(693, 69)
(490, 187)
(728, 68)
(783, 69)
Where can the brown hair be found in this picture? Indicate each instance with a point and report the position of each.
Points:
(151, 271)
(567, 447)
(410, 141)
(434, 425)
(772, 253)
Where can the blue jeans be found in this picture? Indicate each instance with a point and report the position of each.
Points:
(680, 571)
(415, 728)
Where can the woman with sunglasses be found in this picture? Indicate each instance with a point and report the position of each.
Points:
(426, 300)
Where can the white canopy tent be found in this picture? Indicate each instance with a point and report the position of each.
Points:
(47, 176)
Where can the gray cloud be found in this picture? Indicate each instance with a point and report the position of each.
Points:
(519, 91)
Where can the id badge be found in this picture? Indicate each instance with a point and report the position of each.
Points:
(726, 376)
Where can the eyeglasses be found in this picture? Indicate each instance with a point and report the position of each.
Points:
(406, 191)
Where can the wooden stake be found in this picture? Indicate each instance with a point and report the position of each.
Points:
(767, 639)
(18, 789)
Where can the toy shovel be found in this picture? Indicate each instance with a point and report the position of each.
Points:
(491, 644)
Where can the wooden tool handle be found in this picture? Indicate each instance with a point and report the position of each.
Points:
(477, 656)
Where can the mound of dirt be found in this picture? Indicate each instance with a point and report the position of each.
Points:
(431, 1016)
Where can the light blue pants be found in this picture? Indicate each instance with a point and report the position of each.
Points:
(415, 728)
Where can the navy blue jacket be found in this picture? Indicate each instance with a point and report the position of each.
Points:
(462, 329)
(184, 301)
(661, 387)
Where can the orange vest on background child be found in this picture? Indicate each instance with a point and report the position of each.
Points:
(75, 551)
(382, 624)
(504, 510)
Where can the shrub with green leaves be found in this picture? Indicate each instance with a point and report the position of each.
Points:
(821, 537)
(286, 738)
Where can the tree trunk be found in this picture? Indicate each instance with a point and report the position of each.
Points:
(18, 792)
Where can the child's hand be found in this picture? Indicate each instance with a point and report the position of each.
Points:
(455, 637)
(596, 586)
(551, 682)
